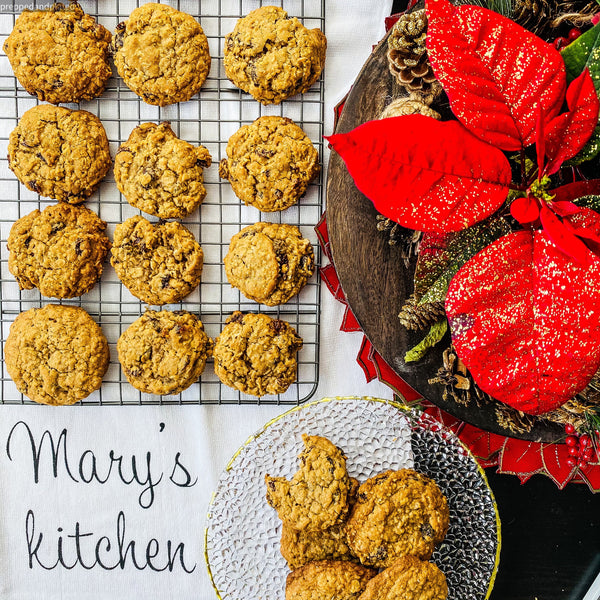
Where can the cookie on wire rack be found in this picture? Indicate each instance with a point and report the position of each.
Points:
(59, 54)
(59, 153)
(56, 354)
(270, 163)
(159, 263)
(164, 352)
(162, 54)
(256, 354)
(59, 250)
(269, 262)
(273, 56)
(159, 173)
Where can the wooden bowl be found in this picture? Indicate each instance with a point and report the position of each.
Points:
(374, 278)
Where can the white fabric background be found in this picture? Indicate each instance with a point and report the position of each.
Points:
(205, 436)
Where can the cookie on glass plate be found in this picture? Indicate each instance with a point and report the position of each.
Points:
(273, 56)
(159, 263)
(408, 578)
(56, 354)
(327, 580)
(270, 163)
(317, 496)
(161, 53)
(59, 250)
(164, 352)
(59, 153)
(59, 54)
(269, 262)
(397, 513)
(256, 354)
(159, 173)
(299, 547)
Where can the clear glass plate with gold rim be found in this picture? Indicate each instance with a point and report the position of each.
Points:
(243, 531)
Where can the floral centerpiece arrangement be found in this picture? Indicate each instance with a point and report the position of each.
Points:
(501, 194)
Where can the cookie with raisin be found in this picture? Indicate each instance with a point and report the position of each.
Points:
(269, 262)
(397, 513)
(159, 263)
(270, 163)
(317, 496)
(59, 250)
(273, 56)
(164, 352)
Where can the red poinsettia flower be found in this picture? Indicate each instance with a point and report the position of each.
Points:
(525, 311)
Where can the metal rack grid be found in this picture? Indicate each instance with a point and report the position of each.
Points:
(209, 118)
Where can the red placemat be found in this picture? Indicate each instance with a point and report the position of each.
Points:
(510, 455)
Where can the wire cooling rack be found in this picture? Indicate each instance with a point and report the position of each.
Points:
(210, 118)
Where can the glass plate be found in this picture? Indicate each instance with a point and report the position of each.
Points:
(242, 533)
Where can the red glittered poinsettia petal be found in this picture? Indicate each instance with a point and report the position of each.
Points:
(494, 72)
(425, 174)
(564, 208)
(525, 209)
(562, 236)
(568, 133)
(525, 319)
(577, 189)
(585, 224)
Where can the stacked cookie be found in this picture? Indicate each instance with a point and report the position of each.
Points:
(346, 541)
(61, 55)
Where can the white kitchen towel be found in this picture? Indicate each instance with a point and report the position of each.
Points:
(110, 502)
(353, 28)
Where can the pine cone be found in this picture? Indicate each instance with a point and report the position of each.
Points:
(535, 15)
(457, 381)
(407, 240)
(571, 13)
(408, 106)
(407, 54)
(413, 316)
(512, 419)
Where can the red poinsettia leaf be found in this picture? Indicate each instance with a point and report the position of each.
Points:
(587, 234)
(525, 209)
(562, 236)
(568, 133)
(444, 185)
(585, 224)
(525, 319)
(577, 189)
(564, 208)
(510, 72)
